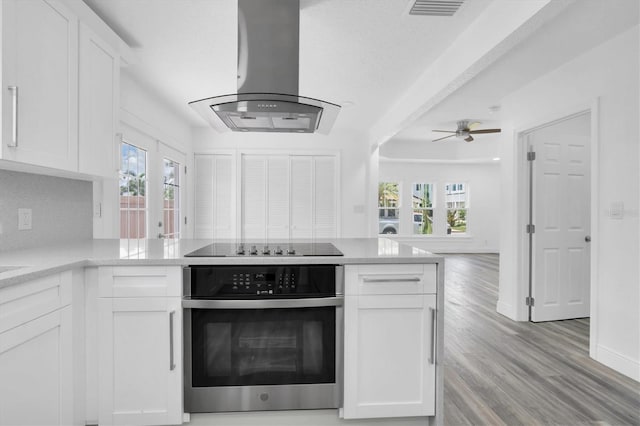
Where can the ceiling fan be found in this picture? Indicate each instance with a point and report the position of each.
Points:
(465, 130)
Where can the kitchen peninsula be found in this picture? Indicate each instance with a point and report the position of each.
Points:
(107, 317)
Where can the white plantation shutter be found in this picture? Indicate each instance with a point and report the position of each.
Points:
(254, 197)
(214, 196)
(301, 197)
(203, 214)
(325, 205)
(224, 195)
(278, 198)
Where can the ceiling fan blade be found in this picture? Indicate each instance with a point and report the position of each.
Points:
(474, 132)
(468, 138)
(446, 137)
(444, 131)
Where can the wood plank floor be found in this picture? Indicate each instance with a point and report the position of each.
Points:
(501, 372)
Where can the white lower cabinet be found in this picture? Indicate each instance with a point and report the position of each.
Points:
(36, 352)
(140, 357)
(390, 341)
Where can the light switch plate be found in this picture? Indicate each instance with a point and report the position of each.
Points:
(24, 219)
(616, 210)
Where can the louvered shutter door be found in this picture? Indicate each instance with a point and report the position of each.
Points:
(254, 197)
(325, 197)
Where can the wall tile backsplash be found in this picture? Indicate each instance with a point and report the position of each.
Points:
(61, 210)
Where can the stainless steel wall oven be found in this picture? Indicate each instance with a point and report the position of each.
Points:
(263, 337)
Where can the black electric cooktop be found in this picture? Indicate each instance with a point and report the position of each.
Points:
(266, 250)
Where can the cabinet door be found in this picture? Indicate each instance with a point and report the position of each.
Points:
(40, 61)
(140, 361)
(36, 364)
(99, 102)
(389, 356)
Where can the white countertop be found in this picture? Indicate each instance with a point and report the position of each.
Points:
(41, 261)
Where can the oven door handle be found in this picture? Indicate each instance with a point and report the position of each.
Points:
(262, 304)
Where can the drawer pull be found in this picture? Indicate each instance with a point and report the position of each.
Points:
(391, 280)
(14, 116)
(432, 354)
(172, 364)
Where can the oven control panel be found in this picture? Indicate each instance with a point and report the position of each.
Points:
(260, 283)
(256, 281)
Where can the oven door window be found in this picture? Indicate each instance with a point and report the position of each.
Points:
(240, 347)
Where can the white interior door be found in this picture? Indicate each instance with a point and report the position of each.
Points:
(560, 211)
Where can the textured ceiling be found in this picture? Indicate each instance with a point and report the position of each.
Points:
(367, 53)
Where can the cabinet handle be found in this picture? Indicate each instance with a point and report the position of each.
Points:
(432, 356)
(14, 116)
(391, 280)
(172, 364)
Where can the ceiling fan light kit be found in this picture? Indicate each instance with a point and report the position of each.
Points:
(465, 130)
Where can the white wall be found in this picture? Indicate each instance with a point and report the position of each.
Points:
(354, 161)
(609, 73)
(143, 111)
(61, 210)
(483, 181)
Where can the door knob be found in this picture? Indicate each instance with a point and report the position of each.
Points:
(588, 238)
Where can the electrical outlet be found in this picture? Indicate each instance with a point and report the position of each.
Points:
(24, 219)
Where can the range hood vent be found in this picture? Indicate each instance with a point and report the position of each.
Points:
(267, 98)
(435, 7)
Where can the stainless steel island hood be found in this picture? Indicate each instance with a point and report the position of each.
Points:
(268, 57)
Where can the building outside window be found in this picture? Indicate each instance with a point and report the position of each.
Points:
(457, 201)
(171, 199)
(423, 205)
(388, 207)
(133, 191)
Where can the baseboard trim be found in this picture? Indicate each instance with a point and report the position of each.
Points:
(507, 310)
(621, 363)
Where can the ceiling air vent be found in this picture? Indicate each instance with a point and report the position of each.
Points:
(435, 7)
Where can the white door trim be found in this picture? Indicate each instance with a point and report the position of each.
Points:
(521, 276)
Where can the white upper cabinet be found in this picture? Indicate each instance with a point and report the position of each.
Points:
(60, 87)
(99, 103)
(40, 83)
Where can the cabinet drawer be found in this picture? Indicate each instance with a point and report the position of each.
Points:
(24, 302)
(390, 279)
(140, 281)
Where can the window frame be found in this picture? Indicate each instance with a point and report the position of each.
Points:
(431, 208)
(457, 189)
(397, 209)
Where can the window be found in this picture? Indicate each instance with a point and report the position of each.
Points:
(388, 207)
(133, 190)
(171, 199)
(423, 205)
(457, 201)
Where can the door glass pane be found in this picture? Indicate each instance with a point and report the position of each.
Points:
(133, 189)
(171, 199)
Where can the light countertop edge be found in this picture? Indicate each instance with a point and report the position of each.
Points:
(40, 262)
